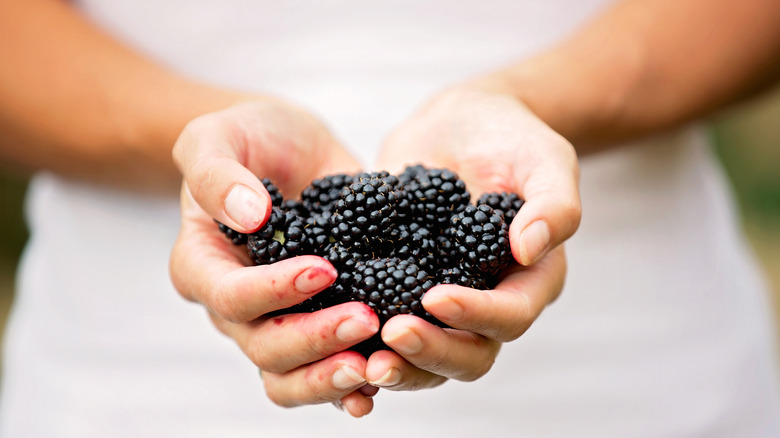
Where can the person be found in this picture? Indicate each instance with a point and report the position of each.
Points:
(663, 328)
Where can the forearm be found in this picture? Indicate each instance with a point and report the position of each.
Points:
(75, 101)
(645, 66)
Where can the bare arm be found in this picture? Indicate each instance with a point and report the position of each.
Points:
(644, 66)
(75, 101)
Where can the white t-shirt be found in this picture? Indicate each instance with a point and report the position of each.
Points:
(663, 329)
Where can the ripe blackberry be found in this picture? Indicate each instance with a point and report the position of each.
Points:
(381, 174)
(456, 275)
(413, 242)
(234, 236)
(481, 240)
(273, 191)
(434, 195)
(322, 194)
(317, 230)
(365, 213)
(392, 286)
(446, 256)
(279, 239)
(410, 173)
(506, 202)
(295, 207)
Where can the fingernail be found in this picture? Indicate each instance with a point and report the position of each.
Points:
(391, 378)
(444, 307)
(534, 240)
(346, 378)
(315, 279)
(405, 342)
(245, 206)
(353, 330)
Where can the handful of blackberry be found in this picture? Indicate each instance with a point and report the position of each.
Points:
(391, 237)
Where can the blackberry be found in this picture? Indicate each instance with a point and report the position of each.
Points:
(481, 240)
(445, 250)
(322, 194)
(506, 202)
(365, 213)
(280, 238)
(295, 207)
(410, 173)
(413, 242)
(381, 174)
(434, 195)
(456, 275)
(392, 286)
(273, 191)
(317, 230)
(234, 236)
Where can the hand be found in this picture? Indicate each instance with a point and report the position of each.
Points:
(221, 155)
(495, 144)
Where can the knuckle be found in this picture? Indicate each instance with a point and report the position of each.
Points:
(315, 345)
(315, 388)
(256, 352)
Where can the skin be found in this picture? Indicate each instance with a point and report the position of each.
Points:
(638, 68)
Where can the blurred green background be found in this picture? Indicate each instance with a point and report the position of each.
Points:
(747, 139)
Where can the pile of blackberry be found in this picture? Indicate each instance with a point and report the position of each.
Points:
(391, 238)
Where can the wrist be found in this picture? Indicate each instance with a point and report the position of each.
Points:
(569, 88)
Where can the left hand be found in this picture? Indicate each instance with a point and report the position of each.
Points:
(221, 156)
(495, 144)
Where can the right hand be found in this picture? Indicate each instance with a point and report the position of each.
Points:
(221, 155)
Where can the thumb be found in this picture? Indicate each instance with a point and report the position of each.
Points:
(207, 157)
(552, 210)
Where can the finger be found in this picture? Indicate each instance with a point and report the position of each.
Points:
(369, 390)
(386, 369)
(203, 269)
(505, 313)
(549, 183)
(286, 342)
(208, 155)
(453, 354)
(356, 403)
(325, 381)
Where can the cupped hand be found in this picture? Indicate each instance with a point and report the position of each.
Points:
(496, 145)
(221, 156)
